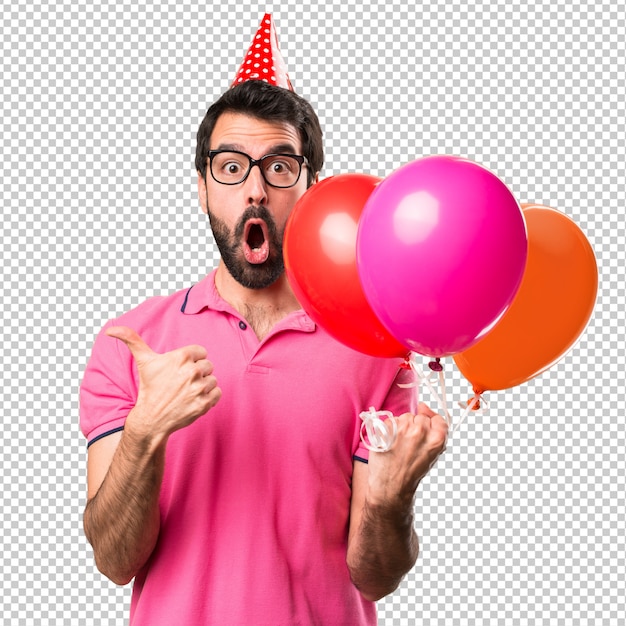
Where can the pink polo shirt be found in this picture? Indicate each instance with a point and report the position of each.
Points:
(256, 493)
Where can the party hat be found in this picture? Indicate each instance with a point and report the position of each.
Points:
(263, 60)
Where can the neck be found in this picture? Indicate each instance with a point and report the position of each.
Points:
(262, 308)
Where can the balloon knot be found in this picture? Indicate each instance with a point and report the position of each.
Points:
(475, 402)
(436, 365)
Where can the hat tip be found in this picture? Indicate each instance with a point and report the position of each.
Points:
(263, 60)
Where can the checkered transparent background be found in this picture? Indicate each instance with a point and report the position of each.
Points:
(523, 520)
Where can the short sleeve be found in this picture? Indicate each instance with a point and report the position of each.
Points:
(108, 390)
(400, 399)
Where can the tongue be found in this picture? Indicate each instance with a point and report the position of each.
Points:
(256, 255)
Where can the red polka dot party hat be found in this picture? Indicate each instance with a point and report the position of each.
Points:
(263, 61)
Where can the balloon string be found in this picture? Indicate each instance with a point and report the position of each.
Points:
(444, 402)
(425, 379)
(379, 437)
(477, 403)
(408, 364)
(422, 378)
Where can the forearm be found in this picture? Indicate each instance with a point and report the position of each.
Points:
(383, 549)
(122, 520)
(382, 544)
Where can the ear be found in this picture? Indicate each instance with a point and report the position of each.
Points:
(202, 193)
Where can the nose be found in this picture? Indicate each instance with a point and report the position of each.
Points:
(256, 187)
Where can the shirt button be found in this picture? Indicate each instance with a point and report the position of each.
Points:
(243, 325)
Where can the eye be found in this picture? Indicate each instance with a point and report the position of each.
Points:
(232, 168)
(229, 165)
(280, 166)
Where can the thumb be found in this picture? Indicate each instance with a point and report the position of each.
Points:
(137, 346)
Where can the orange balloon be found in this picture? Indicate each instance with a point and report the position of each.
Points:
(549, 312)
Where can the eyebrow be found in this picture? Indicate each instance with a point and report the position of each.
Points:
(280, 148)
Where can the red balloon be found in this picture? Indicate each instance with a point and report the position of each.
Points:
(320, 260)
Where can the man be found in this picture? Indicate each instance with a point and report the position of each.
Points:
(225, 474)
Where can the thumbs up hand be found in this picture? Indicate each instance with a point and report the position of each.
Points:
(175, 388)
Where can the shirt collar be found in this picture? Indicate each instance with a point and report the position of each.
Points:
(204, 295)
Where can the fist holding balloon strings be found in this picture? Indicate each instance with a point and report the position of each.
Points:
(439, 259)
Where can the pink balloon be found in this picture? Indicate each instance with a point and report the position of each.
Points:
(441, 251)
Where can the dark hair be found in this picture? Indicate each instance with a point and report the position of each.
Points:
(266, 102)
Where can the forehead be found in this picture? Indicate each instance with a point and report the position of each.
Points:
(254, 136)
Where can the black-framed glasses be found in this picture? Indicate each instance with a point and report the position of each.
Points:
(230, 167)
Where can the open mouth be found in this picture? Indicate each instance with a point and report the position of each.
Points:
(256, 247)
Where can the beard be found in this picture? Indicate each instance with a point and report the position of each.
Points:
(230, 245)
